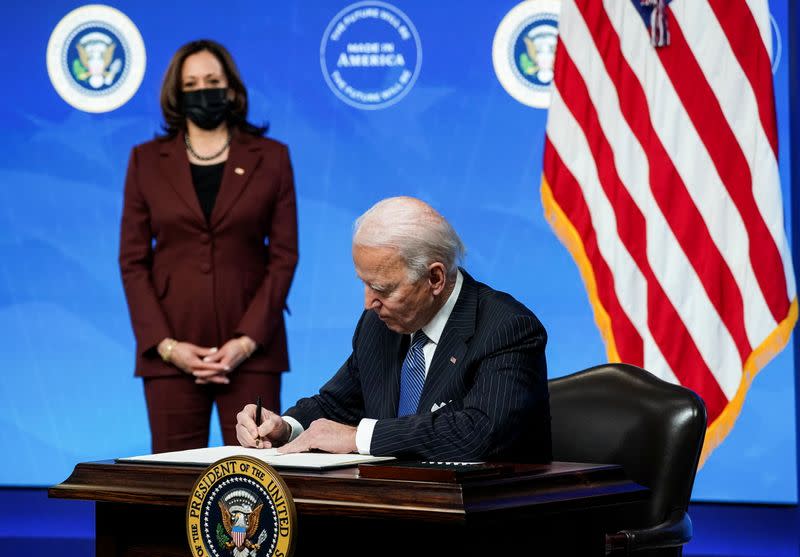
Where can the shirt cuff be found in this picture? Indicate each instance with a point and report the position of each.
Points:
(296, 427)
(364, 435)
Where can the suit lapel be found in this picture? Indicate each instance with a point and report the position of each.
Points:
(174, 165)
(395, 353)
(449, 354)
(243, 159)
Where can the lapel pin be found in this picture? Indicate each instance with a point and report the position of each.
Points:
(239, 170)
(453, 359)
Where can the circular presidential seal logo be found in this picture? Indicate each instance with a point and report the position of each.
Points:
(524, 51)
(96, 58)
(240, 507)
(370, 55)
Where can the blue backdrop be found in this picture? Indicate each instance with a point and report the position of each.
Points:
(457, 140)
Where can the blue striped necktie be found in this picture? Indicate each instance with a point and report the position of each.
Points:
(412, 376)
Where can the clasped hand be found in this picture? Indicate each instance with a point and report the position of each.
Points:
(211, 365)
(322, 434)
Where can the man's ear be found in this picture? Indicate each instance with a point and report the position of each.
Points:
(437, 276)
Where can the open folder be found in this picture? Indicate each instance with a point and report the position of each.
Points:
(204, 457)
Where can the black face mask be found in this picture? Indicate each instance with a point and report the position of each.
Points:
(207, 108)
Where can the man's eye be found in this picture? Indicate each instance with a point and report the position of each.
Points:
(379, 290)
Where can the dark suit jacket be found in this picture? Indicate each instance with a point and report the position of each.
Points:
(206, 282)
(489, 368)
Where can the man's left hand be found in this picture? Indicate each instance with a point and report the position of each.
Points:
(325, 435)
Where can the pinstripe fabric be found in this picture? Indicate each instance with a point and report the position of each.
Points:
(412, 376)
(489, 368)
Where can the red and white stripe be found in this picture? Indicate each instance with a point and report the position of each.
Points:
(239, 537)
(663, 161)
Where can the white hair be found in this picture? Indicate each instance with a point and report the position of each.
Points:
(420, 234)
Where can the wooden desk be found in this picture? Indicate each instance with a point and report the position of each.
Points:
(555, 509)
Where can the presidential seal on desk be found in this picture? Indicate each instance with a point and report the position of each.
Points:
(240, 507)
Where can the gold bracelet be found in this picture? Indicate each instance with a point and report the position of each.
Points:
(166, 356)
(244, 346)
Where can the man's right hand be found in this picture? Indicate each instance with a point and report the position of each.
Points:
(273, 431)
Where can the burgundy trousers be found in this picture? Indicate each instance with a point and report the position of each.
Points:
(179, 411)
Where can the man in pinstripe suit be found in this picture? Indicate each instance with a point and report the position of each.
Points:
(483, 380)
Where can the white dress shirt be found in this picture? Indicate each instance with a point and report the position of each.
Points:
(433, 330)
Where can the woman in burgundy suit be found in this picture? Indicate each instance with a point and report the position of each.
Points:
(208, 249)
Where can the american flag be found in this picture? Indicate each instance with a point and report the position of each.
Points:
(660, 176)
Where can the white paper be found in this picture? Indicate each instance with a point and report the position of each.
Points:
(315, 461)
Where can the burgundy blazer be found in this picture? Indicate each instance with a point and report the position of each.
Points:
(207, 282)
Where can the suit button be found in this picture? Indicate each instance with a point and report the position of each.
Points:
(205, 238)
(205, 267)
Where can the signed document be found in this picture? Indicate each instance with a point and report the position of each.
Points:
(204, 457)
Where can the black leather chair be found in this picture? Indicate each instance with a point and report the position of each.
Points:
(621, 414)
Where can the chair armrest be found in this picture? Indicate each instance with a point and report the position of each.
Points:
(675, 531)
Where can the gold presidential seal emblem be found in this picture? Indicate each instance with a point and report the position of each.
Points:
(240, 507)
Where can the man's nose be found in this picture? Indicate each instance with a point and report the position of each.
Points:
(371, 301)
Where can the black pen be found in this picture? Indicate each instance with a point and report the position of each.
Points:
(258, 421)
